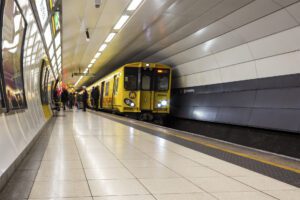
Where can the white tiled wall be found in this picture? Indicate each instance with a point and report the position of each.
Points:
(259, 40)
(18, 129)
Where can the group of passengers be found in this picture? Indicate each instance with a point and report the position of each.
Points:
(69, 99)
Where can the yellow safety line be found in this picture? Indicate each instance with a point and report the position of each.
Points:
(232, 152)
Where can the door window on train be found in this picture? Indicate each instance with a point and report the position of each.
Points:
(116, 84)
(162, 80)
(131, 78)
(146, 82)
(106, 89)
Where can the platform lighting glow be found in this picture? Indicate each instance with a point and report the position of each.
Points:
(90, 65)
(121, 22)
(93, 61)
(134, 4)
(97, 55)
(103, 47)
(110, 37)
(86, 70)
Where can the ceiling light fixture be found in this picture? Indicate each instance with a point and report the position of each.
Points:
(97, 55)
(90, 65)
(93, 61)
(110, 37)
(103, 47)
(134, 4)
(121, 22)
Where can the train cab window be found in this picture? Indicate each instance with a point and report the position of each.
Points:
(162, 79)
(106, 89)
(131, 78)
(146, 82)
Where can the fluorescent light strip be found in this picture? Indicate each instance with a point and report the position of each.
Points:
(90, 65)
(97, 55)
(110, 37)
(86, 70)
(121, 22)
(93, 61)
(134, 4)
(78, 80)
(103, 47)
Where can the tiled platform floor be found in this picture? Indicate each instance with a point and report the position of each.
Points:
(91, 157)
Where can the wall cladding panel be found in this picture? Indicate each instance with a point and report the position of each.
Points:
(280, 119)
(19, 128)
(237, 116)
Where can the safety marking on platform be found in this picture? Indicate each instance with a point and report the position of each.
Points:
(216, 147)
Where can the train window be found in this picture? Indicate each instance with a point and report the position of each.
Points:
(116, 84)
(131, 78)
(162, 79)
(106, 89)
(146, 82)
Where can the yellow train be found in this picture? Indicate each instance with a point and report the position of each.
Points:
(138, 88)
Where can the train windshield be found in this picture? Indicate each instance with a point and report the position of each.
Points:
(162, 79)
(131, 78)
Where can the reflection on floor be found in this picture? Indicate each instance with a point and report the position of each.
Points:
(92, 157)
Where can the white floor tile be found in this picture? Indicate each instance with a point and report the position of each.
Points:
(116, 187)
(220, 184)
(171, 185)
(108, 173)
(243, 196)
(265, 183)
(285, 194)
(153, 172)
(130, 197)
(195, 196)
(56, 189)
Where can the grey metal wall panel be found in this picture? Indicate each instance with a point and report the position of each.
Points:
(280, 119)
(205, 113)
(238, 116)
(272, 103)
(278, 98)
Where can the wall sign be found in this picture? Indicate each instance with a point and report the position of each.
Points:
(13, 35)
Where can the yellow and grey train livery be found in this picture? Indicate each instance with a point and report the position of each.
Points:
(138, 88)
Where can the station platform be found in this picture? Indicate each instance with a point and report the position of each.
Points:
(98, 156)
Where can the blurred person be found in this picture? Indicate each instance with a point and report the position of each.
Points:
(71, 100)
(85, 97)
(96, 97)
(64, 97)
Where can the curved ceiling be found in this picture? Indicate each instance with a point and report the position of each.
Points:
(155, 25)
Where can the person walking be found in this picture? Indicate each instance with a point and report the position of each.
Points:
(71, 100)
(96, 97)
(85, 97)
(64, 97)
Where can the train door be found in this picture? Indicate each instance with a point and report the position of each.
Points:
(102, 94)
(146, 98)
(115, 91)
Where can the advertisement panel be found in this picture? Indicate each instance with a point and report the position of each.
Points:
(13, 33)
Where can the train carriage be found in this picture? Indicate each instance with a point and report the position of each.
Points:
(138, 88)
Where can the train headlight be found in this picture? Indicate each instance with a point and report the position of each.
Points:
(129, 102)
(164, 102)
